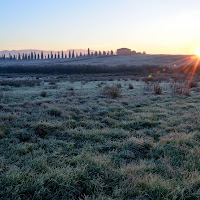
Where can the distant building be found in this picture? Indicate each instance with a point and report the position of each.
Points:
(126, 51)
(133, 52)
(123, 51)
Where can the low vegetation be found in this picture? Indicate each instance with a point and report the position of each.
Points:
(93, 138)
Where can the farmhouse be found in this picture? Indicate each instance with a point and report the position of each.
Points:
(124, 51)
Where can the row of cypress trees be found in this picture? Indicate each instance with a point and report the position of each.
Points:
(34, 56)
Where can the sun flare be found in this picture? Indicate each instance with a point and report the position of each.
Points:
(198, 53)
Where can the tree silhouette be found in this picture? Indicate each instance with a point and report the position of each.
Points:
(69, 54)
(62, 54)
(55, 56)
(88, 52)
(76, 55)
(35, 56)
(38, 57)
(81, 54)
(104, 53)
(65, 55)
(51, 55)
(108, 53)
(42, 55)
(23, 57)
(31, 55)
(19, 57)
(58, 55)
(96, 54)
(73, 54)
(99, 53)
(111, 53)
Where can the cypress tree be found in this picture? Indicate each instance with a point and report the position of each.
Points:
(69, 54)
(35, 56)
(65, 55)
(23, 57)
(31, 55)
(19, 57)
(62, 54)
(73, 54)
(38, 56)
(104, 53)
(51, 55)
(88, 52)
(58, 55)
(99, 53)
(55, 56)
(80, 54)
(96, 54)
(42, 56)
(48, 55)
(76, 55)
(112, 53)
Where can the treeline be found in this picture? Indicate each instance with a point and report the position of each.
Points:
(40, 56)
(78, 69)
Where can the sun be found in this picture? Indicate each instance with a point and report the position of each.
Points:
(198, 53)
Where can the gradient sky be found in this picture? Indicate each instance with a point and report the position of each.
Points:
(156, 26)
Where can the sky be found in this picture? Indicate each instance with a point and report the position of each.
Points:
(154, 26)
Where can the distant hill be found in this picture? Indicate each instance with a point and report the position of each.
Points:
(28, 51)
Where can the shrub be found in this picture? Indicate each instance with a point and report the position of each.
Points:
(193, 84)
(113, 91)
(2, 134)
(119, 85)
(55, 112)
(180, 89)
(157, 89)
(130, 86)
(43, 129)
(43, 94)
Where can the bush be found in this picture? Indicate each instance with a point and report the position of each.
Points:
(157, 89)
(130, 86)
(55, 112)
(113, 91)
(43, 129)
(2, 134)
(43, 94)
(193, 84)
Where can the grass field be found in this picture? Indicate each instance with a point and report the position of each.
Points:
(99, 137)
